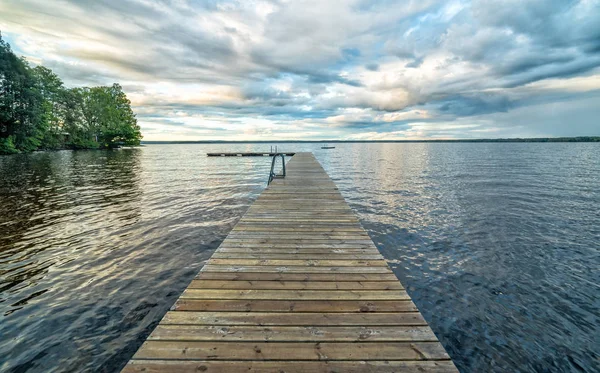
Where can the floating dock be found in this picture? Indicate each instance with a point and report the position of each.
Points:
(297, 286)
(267, 154)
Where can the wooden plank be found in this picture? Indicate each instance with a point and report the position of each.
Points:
(246, 154)
(258, 228)
(293, 269)
(301, 219)
(295, 256)
(297, 241)
(293, 318)
(297, 286)
(276, 224)
(372, 366)
(298, 245)
(294, 294)
(322, 277)
(265, 252)
(305, 262)
(297, 206)
(318, 306)
(291, 351)
(292, 236)
(292, 333)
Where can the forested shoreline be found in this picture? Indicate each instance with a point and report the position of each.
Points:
(37, 111)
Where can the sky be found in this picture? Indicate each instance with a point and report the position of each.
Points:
(308, 70)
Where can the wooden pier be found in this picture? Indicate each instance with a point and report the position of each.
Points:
(297, 286)
(247, 154)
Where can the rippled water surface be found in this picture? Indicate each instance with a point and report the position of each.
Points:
(498, 244)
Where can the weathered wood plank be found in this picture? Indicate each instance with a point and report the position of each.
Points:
(245, 154)
(318, 306)
(292, 319)
(305, 262)
(294, 294)
(265, 252)
(293, 269)
(292, 333)
(297, 241)
(275, 224)
(291, 351)
(203, 275)
(297, 286)
(195, 366)
(294, 229)
(306, 245)
(295, 256)
(291, 236)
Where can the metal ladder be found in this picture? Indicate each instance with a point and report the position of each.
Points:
(272, 174)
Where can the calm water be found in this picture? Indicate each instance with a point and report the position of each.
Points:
(498, 244)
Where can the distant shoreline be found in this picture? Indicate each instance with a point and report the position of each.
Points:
(540, 139)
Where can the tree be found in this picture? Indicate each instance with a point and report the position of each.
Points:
(72, 113)
(51, 89)
(123, 128)
(21, 104)
(108, 117)
(37, 111)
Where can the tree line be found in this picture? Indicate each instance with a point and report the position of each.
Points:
(37, 112)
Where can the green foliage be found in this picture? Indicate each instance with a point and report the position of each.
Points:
(38, 112)
(7, 145)
(50, 87)
(21, 105)
(108, 116)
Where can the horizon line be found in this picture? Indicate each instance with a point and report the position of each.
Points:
(509, 139)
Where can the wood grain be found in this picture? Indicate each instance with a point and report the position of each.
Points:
(297, 286)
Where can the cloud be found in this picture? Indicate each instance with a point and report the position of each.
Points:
(467, 105)
(250, 69)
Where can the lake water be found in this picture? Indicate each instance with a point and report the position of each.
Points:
(497, 243)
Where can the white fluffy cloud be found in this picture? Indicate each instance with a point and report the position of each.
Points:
(359, 69)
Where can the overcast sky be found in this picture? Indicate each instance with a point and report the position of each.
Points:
(381, 69)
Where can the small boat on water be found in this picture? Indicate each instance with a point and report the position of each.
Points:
(327, 147)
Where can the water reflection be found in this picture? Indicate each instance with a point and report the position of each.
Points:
(96, 246)
(496, 243)
(62, 201)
